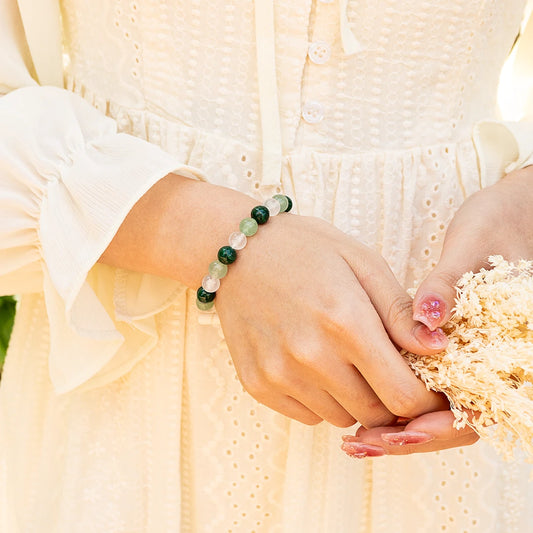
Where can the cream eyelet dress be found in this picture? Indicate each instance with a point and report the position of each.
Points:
(120, 410)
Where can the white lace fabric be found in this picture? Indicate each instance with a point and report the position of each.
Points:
(159, 436)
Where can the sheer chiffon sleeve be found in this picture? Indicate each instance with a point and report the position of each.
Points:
(67, 181)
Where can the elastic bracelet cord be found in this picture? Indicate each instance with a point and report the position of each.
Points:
(206, 293)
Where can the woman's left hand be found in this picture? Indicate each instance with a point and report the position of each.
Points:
(497, 220)
(427, 433)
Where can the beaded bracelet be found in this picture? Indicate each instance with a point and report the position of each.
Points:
(205, 295)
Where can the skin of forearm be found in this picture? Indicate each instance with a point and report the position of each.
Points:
(176, 229)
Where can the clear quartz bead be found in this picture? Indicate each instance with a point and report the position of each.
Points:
(237, 240)
(210, 284)
(217, 270)
(273, 206)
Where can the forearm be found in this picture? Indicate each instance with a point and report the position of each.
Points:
(176, 229)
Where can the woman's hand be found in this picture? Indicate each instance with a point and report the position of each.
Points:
(307, 313)
(427, 433)
(496, 220)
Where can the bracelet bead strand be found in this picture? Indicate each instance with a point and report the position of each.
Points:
(205, 295)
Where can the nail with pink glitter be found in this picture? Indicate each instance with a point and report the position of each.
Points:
(430, 312)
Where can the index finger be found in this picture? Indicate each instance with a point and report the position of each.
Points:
(371, 351)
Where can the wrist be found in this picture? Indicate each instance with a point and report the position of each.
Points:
(176, 228)
(201, 216)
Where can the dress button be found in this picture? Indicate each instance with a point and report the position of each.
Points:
(319, 52)
(313, 112)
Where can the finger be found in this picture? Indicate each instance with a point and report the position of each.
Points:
(258, 382)
(440, 425)
(338, 394)
(323, 405)
(307, 367)
(464, 250)
(352, 391)
(292, 408)
(360, 448)
(275, 379)
(395, 307)
(428, 433)
(368, 347)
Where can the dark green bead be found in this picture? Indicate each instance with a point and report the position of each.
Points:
(204, 296)
(227, 255)
(260, 214)
(290, 204)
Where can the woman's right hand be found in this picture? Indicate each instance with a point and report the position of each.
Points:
(308, 313)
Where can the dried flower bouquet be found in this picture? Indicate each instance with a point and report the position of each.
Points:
(487, 367)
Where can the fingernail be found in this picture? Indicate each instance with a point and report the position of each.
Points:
(349, 438)
(430, 312)
(360, 450)
(432, 339)
(407, 437)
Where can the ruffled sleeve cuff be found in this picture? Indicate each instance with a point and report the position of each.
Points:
(69, 180)
(502, 147)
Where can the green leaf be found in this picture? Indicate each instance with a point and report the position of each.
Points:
(8, 306)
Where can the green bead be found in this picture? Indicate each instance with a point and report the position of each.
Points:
(217, 270)
(227, 255)
(290, 204)
(248, 226)
(204, 306)
(204, 296)
(283, 202)
(260, 214)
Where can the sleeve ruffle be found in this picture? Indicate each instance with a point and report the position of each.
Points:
(502, 147)
(67, 181)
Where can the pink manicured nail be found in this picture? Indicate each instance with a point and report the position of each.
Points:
(349, 438)
(430, 312)
(361, 450)
(407, 437)
(432, 339)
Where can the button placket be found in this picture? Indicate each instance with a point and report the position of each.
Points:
(319, 52)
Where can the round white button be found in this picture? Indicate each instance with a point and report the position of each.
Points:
(313, 112)
(319, 52)
(327, 1)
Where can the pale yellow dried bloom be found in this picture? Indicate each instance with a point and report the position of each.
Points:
(488, 365)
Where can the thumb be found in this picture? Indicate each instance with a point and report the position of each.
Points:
(435, 298)
(394, 307)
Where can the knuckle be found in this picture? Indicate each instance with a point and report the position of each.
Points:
(339, 323)
(273, 370)
(307, 357)
(399, 310)
(447, 278)
(404, 404)
(254, 385)
(378, 419)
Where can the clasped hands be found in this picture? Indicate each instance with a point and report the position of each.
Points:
(313, 321)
